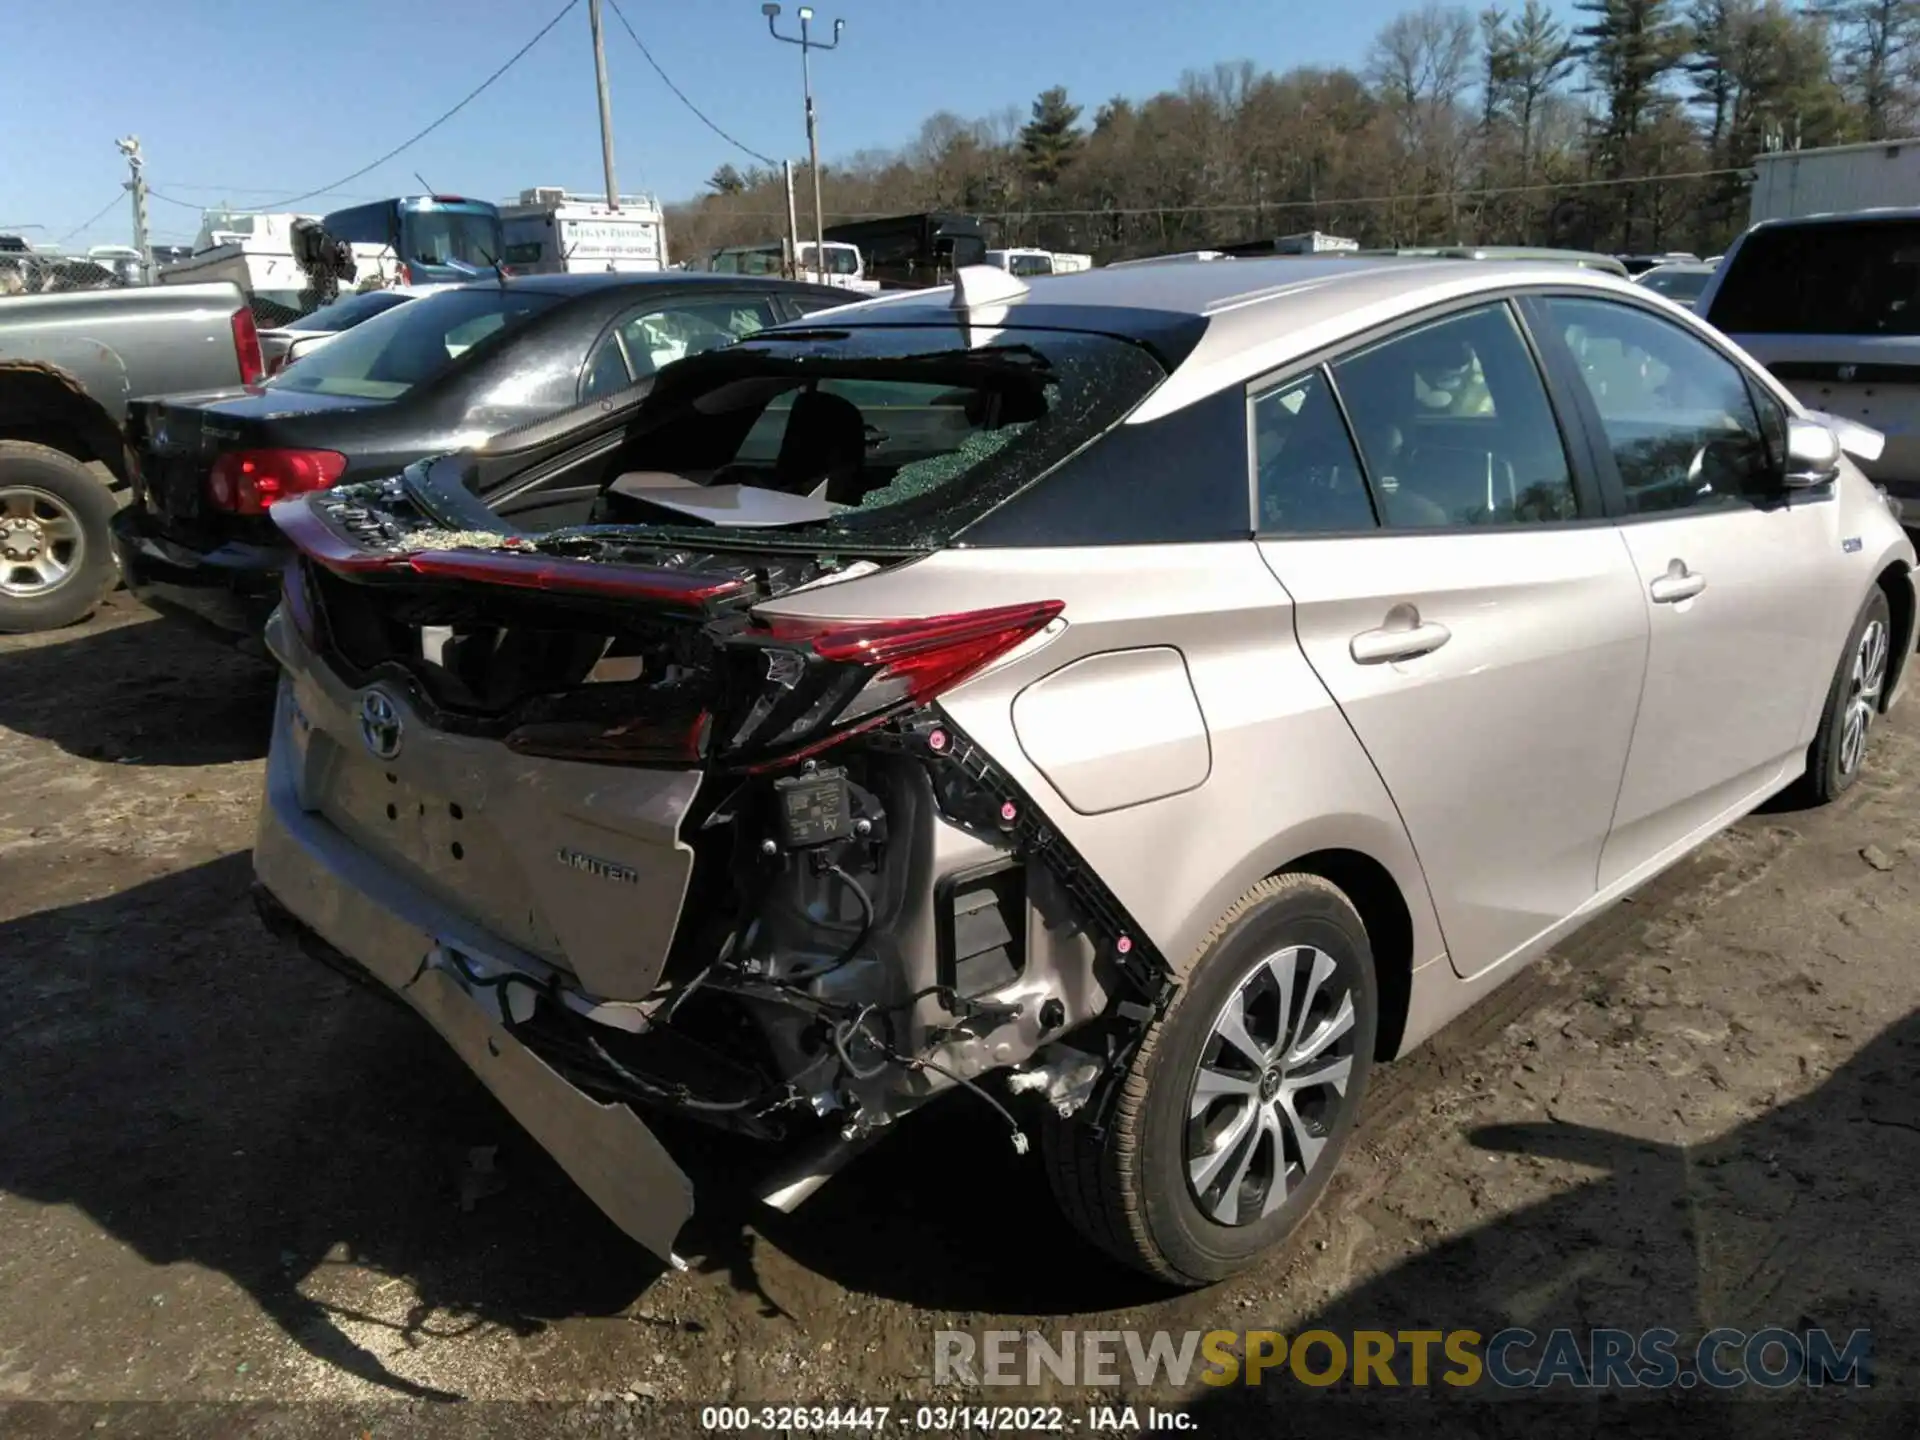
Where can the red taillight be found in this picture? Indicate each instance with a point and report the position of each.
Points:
(246, 347)
(402, 274)
(853, 674)
(914, 660)
(247, 482)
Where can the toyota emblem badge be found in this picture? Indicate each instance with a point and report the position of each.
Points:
(379, 725)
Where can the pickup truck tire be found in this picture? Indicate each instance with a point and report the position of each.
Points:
(56, 557)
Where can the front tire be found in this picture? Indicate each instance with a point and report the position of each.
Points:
(1240, 1100)
(56, 558)
(1854, 701)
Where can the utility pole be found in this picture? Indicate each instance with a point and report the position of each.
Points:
(807, 45)
(606, 105)
(793, 219)
(130, 147)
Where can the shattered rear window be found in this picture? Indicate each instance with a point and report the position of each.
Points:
(911, 432)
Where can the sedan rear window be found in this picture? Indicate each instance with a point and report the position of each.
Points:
(887, 435)
(1854, 277)
(347, 313)
(383, 358)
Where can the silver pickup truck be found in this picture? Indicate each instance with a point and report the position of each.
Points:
(69, 365)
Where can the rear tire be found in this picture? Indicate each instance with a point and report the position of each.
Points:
(1182, 1182)
(1856, 698)
(56, 557)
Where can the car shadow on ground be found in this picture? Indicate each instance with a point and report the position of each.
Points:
(209, 1096)
(1800, 1218)
(150, 692)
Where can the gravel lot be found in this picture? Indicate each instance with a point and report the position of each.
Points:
(226, 1175)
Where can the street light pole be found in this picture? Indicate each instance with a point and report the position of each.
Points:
(606, 106)
(807, 45)
(130, 147)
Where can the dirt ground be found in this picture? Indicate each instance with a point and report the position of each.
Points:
(227, 1176)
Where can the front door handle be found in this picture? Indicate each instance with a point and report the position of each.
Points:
(1679, 583)
(1402, 637)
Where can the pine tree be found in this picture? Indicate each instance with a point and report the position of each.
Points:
(1630, 47)
(1051, 139)
(726, 181)
(1525, 63)
(1875, 42)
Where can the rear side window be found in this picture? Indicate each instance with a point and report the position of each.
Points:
(1310, 480)
(1455, 427)
(1835, 278)
(383, 358)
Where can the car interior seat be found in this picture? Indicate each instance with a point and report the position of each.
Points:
(825, 444)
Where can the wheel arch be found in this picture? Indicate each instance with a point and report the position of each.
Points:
(1389, 925)
(46, 405)
(1896, 580)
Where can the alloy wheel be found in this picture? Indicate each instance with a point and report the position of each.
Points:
(1868, 678)
(1270, 1083)
(41, 541)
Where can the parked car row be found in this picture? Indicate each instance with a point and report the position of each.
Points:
(431, 375)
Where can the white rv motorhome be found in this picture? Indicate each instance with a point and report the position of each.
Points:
(549, 231)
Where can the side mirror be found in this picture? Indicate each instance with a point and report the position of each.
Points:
(1813, 455)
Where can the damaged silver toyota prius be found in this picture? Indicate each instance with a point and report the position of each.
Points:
(1138, 701)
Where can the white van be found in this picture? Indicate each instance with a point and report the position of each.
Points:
(1831, 305)
(1018, 261)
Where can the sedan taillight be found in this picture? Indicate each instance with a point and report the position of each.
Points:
(248, 482)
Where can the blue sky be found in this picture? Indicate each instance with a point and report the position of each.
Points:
(252, 102)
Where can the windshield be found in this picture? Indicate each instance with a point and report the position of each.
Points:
(1683, 286)
(747, 262)
(1030, 264)
(438, 237)
(1854, 277)
(386, 356)
(345, 314)
(900, 436)
(841, 260)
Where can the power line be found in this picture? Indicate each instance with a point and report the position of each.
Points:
(540, 35)
(667, 80)
(90, 219)
(183, 204)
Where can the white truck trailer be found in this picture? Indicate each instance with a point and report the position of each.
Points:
(549, 231)
(1835, 179)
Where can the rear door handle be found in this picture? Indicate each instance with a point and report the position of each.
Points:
(1679, 583)
(1402, 637)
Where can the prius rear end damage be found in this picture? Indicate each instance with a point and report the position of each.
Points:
(635, 841)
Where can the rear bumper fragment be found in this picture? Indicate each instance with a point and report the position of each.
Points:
(309, 891)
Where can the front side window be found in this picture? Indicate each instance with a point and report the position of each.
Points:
(1310, 480)
(642, 343)
(1453, 422)
(1678, 415)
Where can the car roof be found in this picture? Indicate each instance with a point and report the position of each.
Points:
(1261, 314)
(595, 282)
(1840, 217)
